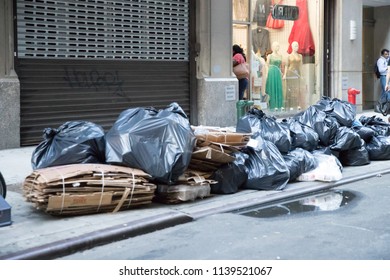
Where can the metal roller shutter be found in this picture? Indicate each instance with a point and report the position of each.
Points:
(92, 59)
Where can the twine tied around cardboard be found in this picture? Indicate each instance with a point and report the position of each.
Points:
(63, 191)
(125, 194)
(101, 194)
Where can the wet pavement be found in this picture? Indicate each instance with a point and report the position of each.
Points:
(323, 201)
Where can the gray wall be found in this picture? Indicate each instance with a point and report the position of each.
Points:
(347, 53)
(9, 83)
(217, 86)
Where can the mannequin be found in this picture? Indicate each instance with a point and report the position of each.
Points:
(293, 77)
(274, 78)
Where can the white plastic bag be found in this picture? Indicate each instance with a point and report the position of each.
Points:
(329, 169)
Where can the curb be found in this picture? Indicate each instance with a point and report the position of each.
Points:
(87, 241)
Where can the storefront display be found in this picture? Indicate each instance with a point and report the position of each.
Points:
(280, 51)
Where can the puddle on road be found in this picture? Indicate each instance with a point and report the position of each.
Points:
(327, 201)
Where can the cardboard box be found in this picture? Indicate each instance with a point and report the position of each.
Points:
(5, 213)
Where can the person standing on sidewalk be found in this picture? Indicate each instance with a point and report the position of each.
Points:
(240, 58)
(382, 63)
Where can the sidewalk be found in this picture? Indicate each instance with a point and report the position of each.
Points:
(36, 235)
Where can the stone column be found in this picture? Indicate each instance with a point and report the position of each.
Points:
(217, 86)
(347, 54)
(9, 83)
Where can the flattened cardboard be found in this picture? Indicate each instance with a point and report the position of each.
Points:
(71, 200)
(209, 154)
(233, 139)
(63, 172)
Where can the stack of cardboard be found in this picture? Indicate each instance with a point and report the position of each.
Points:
(78, 189)
(214, 147)
(190, 186)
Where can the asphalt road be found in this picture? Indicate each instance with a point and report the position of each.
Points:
(349, 223)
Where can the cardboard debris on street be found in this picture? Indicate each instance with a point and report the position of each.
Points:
(78, 189)
(190, 186)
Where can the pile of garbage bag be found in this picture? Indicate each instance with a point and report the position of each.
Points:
(262, 153)
(325, 134)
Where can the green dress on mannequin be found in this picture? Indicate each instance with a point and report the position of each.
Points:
(274, 86)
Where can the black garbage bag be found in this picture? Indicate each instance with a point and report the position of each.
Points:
(378, 125)
(343, 111)
(355, 157)
(365, 132)
(71, 143)
(230, 176)
(323, 150)
(380, 129)
(302, 136)
(266, 167)
(373, 120)
(379, 148)
(383, 104)
(326, 151)
(324, 104)
(158, 142)
(345, 139)
(299, 161)
(326, 127)
(267, 127)
(250, 122)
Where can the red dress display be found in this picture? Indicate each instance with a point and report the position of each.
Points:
(301, 32)
(274, 23)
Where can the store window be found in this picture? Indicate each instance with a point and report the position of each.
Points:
(280, 40)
